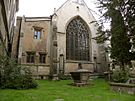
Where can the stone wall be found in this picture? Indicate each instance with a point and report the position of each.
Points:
(27, 43)
(39, 71)
(53, 39)
(123, 88)
(73, 66)
(62, 17)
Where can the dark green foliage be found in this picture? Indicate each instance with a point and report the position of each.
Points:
(120, 76)
(14, 76)
(65, 77)
(120, 42)
(102, 36)
(129, 14)
(115, 12)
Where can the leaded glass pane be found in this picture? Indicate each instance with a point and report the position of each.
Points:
(77, 40)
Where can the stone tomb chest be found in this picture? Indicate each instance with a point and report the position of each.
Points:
(80, 77)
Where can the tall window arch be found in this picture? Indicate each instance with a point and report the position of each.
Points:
(77, 40)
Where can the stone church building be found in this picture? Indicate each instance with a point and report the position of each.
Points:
(57, 44)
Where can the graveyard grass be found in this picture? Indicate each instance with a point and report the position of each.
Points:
(52, 90)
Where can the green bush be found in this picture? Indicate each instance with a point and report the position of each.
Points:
(120, 76)
(65, 77)
(14, 76)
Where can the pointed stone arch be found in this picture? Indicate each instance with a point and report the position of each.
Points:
(77, 40)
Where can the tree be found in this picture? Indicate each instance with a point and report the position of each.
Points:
(120, 42)
(7, 27)
(115, 12)
(129, 15)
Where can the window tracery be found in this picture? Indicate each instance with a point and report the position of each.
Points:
(77, 40)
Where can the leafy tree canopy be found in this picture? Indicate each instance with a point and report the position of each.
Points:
(121, 16)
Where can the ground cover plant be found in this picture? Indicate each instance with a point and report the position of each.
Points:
(99, 90)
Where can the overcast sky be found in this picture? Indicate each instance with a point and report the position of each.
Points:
(39, 8)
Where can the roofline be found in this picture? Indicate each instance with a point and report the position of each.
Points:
(37, 17)
(61, 5)
(89, 10)
(84, 3)
(34, 19)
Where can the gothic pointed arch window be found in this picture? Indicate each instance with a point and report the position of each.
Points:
(77, 40)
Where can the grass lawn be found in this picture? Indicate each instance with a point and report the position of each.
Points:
(52, 90)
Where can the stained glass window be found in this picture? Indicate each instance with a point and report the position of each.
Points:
(77, 40)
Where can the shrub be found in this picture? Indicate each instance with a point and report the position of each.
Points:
(65, 77)
(120, 76)
(14, 76)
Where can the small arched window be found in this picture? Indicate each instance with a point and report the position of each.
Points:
(77, 40)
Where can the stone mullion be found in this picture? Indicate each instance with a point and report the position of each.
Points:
(88, 48)
(68, 46)
(76, 47)
(85, 45)
(80, 48)
(71, 46)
